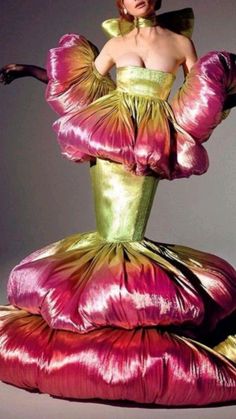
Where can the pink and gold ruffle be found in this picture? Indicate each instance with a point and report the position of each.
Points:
(113, 315)
(83, 283)
(141, 365)
(132, 122)
(73, 80)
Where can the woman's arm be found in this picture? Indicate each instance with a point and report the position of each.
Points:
(10, 72)
(190, 54)
(104, 61)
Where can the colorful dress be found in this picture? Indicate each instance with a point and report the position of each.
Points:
(111, 314)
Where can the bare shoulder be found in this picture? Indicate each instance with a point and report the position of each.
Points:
(187, 51)
(185, 44)
(105, 59)
(173, 36)
(109, 45)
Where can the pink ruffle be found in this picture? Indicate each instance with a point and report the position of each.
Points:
(141, 365)
(149, 137)
(199, 102)
(63, 283)
(73, 80)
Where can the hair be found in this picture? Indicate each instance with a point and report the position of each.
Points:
(120, 5)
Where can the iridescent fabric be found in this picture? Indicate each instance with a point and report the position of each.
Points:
(132, 122)
(143, 365)
(111, 314)
(73, 81)
(116, 276)
(179, 21)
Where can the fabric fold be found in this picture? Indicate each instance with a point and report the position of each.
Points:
(111, 314)
(131, 121)
(141, 365)
(74, 81)
(82, 287)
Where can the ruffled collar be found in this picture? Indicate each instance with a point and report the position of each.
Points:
(179, 21)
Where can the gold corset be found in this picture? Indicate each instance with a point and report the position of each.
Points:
(123, 201)
(137, 80)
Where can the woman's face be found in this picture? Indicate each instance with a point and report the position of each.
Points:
(140, 7)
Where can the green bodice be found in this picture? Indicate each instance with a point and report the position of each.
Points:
(144, 81)
(123, 201)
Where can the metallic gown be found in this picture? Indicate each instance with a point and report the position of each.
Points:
(110, 314)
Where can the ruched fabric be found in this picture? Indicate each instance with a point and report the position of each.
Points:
(83, 283)
(198, 103)
(73, 79)
(111, 314)
(132, 122)
(141, 365)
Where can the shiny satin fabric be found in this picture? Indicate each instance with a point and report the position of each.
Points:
(211, 78)
(83, 282)
(117, 277)
(130, 125)
(131, 122)
(141, 365)
(122, 201)
(144, 82)
(110, 314)
(73, 82)
(228, 348)
(179, 21)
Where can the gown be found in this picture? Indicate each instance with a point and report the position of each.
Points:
(110, 314)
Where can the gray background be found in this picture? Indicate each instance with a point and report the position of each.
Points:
(45, 197)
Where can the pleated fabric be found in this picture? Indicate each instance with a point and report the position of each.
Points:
(144, 365)
(83, 283)
(131, 121)
(73, 80)
(111, 314)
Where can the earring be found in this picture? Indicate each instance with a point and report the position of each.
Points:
(125, 11)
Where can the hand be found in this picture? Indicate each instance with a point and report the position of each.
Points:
(10, 72)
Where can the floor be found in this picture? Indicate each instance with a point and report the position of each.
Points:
(33, 406)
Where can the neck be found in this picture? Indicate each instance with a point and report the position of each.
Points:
(145, 21)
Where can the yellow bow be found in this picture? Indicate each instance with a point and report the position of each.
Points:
(179, 21)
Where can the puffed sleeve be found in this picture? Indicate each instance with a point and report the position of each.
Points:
(199, 103)
(74, 81)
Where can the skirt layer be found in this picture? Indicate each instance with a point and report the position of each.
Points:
(83, 282)
(141, 365)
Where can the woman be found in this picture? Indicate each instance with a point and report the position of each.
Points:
(111, 314)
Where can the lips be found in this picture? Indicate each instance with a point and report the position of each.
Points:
(140, 4)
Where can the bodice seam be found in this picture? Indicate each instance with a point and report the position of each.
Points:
(148, 97)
